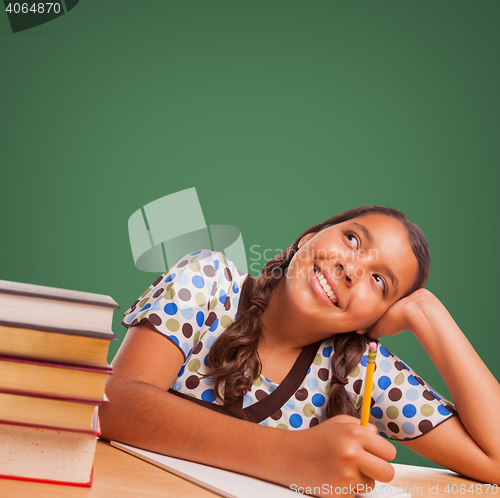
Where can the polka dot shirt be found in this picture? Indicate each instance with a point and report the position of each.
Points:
(197, 299)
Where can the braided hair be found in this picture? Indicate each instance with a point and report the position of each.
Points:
(234, 360)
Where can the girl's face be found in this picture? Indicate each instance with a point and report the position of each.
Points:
(368, 264)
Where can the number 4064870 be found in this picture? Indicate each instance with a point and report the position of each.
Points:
(34, 8)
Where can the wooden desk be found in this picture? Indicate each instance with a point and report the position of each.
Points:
(119, 475)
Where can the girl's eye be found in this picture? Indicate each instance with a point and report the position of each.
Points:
(351, 237)
(381, 283)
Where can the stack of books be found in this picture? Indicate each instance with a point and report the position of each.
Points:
(53, 367)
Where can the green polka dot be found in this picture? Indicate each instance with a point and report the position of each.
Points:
(328, 388)
(192, 395)
(394, 437)
(194, 365)
(203, 335)
(172, 325)
(258, 381)
(426, 410)
(317, 359)
(308, 410)
(354, 372)
(143, 314)
(282, 426)
(169, 294)
(400, 378)
(213, 304)
(143, 302)
(146, 291)
(360, 400)
(225, 321)
(196, 337)
(195, 266)
(200, 299)
(224, 260)
(392, 412)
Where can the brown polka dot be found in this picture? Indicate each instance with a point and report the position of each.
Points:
(132, 308)
(227, 273)
(135, 321)
(323, 374)
(159, 292)
(395, 394)
(208, 270)
(357, 386)
(302, 394)
(399, 365)
(419, 380)
(314, 421)
(184, 294)
(155, 319)
(210, 319)
(214, 289)
(198, 348)
(260, 394)
(157, 281)
(183, 263)
(227, 304)
(372, 402)
(192, 382)
(425, 426)
(277, 415)
(450, 408)
(187, 330)
(428, 396)
(393, 427)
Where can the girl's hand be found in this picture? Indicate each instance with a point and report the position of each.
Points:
(340, 457)
(403, 314)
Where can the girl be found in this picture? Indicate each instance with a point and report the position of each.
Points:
(288, 351)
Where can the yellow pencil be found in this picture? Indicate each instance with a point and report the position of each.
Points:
(367, 393)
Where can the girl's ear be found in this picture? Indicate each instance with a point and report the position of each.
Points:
(306, 238)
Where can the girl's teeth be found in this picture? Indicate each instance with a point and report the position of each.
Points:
(326, 287)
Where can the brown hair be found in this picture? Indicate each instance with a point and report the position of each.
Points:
(233, 358)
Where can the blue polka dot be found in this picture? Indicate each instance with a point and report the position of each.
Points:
(377, 412)
(214, 325)
(178, 386)
(435, 395)
(409, 411)
(170, 277)
(327, 351)
(185, 348)
(216, 264)
(210, 341)
(195, 252)
(271, 388)
(235, 288)
(385, 366)
(413, 381)
(380, 426)
(380, 399)
(247, 400)
(206, 360)
(384, 351)
(443, 410)
(384, 382)
(170, 309)
(174, 339)
(130, 318)
(222, 296)
(323, 414)
(364, 360)
(198, 281)
(181, 371)
(383, 434)
(183, 279)
(408, 428)
(187, 312)
(289, 405)
(200, 318)
(309, 371)
(412, 394)
(264, 422)
(208, 381)
(318, 400)
(235, 301)
(312, 384)
(295, 420)
(208, 395)
(406, 366)
(145, 307)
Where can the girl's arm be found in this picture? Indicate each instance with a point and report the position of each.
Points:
(470, 443)
(142, 413)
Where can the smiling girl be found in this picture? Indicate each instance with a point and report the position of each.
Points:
(288, 351)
